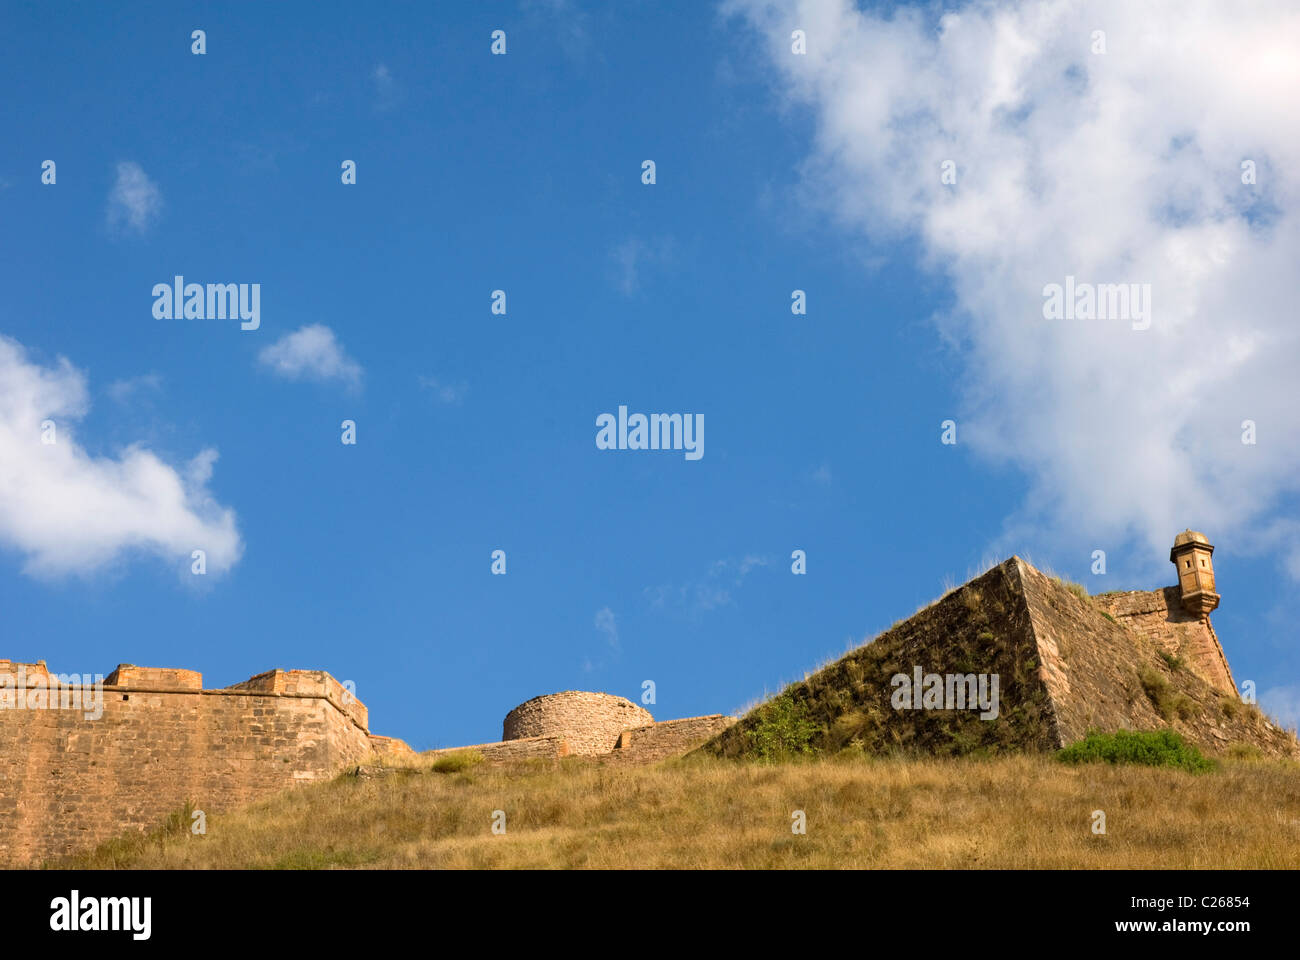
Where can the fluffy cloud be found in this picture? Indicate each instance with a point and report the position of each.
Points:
(135, 201)
(69, 512)
(1114, 167)
(311, 353)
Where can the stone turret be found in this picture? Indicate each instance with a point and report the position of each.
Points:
(1191, 555)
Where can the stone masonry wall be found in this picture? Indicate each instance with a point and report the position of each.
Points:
(390, 746)
(668, 738)
(1159, 616)
(68, 781)
(510, 751)
(589, 722)
(162, 678)
(312, 683)
(647, 744)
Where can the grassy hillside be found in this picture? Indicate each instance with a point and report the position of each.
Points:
(1015, 811)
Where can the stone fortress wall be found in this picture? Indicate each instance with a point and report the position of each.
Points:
(70, 780)
(80, 766)
(597, 726)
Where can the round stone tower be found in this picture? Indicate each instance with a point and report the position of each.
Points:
(1191, 555)
(589, 722)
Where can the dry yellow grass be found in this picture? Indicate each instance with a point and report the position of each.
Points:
(1016, 812)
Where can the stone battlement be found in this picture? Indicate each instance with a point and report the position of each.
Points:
(307, 683)
(128, 676)
(82, 763)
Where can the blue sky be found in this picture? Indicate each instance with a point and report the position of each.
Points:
(475, 431)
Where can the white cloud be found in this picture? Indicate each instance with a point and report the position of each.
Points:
(711, 591)
(634, 255)
(1115, 167)
(449, 393)
(569, 20)
(70, 512)
(739, 569)
(387, 91)
(311, 353)
(606, 624)
(135, 201)
(121, 391)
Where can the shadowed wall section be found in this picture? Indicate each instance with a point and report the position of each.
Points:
(1160, 616)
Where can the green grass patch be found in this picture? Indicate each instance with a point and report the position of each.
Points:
(1169, 703)
(457, 762)
(309, 859)
(1150, 748)
(1245, 751)
(131, 846)
(1078, 589)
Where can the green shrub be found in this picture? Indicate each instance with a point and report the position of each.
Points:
(1152, 748)
(458, 761)
(782, 731)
